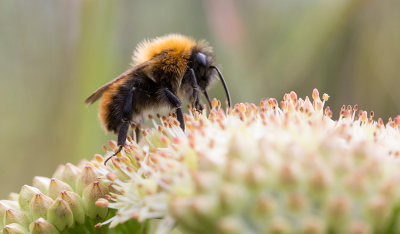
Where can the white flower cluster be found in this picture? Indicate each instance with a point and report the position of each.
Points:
(273, 168)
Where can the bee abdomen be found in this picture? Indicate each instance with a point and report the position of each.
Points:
(111, 106)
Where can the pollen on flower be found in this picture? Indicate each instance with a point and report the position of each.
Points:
(102, 203)
(325, 97)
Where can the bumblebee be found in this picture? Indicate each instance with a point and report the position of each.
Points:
(165, 71)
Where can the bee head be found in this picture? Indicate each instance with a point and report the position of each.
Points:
(201, 65)
(206, 71)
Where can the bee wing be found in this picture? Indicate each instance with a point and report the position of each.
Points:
(99, 92)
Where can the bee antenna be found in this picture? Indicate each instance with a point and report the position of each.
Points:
(116, 152)
(224, 84)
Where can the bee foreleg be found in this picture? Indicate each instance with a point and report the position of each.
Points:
(196, 94)
(175, 102)
(208, 98)
(123, 130)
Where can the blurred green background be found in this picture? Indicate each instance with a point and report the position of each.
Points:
(53, 54)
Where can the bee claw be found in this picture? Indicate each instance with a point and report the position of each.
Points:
(115, 153)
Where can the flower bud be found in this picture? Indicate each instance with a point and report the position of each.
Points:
(42, 226)
(90, 195)
(360, 228)
(206, 181)
(15, 216)
(25, 196)
(70, 173)
(313, 226)
(56, 187)
(232, 197)
(264, 207)
(296, 202)
(75, 203)
(39, 205)
(338, 212)
(231, 225)
(378, 211)
(13, 196)
(14, 228)
(204, 208)
(60, 215)
(279, 225)
(235, 170)
(179, 208)
(87, 176)
(5, 205)
(58, 173)
(256, 176)
(41, 183)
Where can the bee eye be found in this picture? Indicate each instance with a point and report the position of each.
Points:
(201, 59)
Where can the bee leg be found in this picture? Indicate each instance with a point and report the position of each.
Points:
(208, 98)
(126, 119)
(137, 134)
(196, 94)
(175, 102)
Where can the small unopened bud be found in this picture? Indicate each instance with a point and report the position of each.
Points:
(235, 170)
(25, 196)
(56, 187)
(256, 176)
(179, 208)
(232, 196)
(378, 210)
(60, 215)
(279, 225)
(8, 204)
(14, 228)
(75, 204)
(87, 176)
(13, 196)
(15, 216)
(58, 173)
(42, 226)
(296, 202)
(5, 205)
(264, 207)
(41, 183)
(289, 176)
(360, 228)
(39, 205)
(320, 181)
(90, 195)
(204, 208)
(205, 181)
(230, 225)
(70, 173)
(338, 211)
(313, 226)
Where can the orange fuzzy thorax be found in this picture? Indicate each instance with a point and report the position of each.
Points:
(149, 48)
